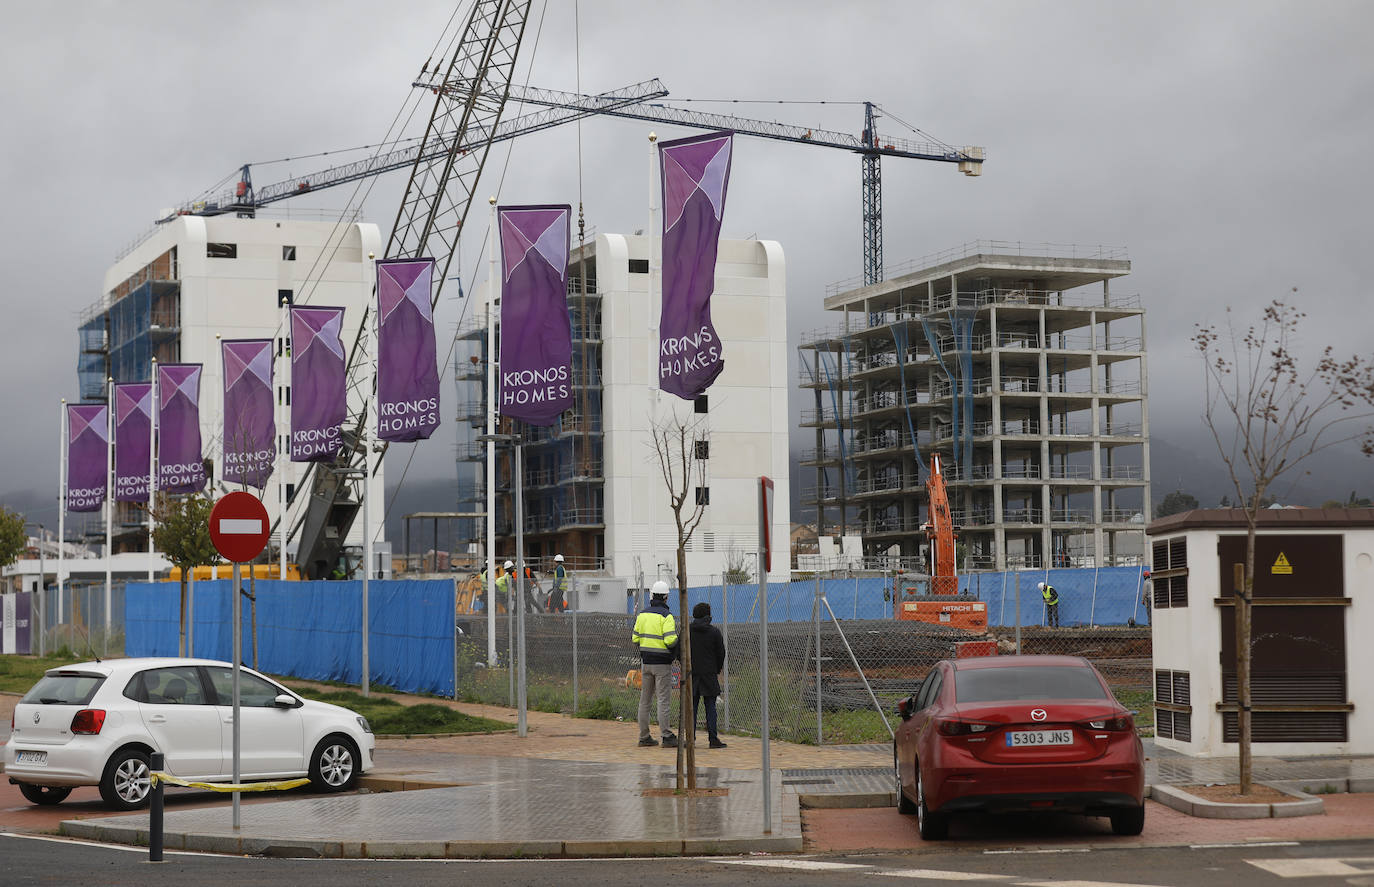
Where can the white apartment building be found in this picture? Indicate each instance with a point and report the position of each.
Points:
(196, 280)
(594, 490)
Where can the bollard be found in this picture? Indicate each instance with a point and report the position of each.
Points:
(155, 763)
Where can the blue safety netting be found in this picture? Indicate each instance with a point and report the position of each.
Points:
(1103, 596)
(311, 630)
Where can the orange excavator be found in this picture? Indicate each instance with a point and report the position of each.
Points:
(940, 603)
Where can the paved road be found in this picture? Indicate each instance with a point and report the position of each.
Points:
(38, 861)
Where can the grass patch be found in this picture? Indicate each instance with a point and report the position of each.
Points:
(19, 673)
(387, 716)
(1142, 702)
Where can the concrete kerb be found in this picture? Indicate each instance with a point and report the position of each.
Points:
(1303, 804)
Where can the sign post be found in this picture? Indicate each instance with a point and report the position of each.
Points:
(764, 562)
(239, 529)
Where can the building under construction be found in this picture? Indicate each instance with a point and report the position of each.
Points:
(1021, 366)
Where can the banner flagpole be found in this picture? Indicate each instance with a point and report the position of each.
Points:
(654, 237)
(109, 507)
(489, 591)
(154, 413)
(369, 402)
(62, 508)
(283, 432)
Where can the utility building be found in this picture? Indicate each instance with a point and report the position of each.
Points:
(1025, 368)
(195, 278)
(593, 487)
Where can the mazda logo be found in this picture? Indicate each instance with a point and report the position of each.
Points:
(36, 717)
(1038, 714)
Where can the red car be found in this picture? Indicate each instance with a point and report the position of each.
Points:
(1017, 733)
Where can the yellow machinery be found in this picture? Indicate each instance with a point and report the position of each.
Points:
(225, 571)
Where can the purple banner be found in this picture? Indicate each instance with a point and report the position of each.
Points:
(88, 437)
(695, 172)
(536, 334)
(407, 375)
(180, 466)
(133, 440)
(317, 383)
(16, 614)
(250, 429)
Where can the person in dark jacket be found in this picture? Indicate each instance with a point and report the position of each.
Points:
(708, 660)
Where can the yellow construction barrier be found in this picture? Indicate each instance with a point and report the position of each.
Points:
(283, 785)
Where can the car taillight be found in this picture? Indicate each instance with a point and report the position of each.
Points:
(88, 721)
(960, 728)
(1116, 724)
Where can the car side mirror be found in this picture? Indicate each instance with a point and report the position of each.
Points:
(904, 708)
(284, 700)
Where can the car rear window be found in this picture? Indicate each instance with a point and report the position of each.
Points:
(1026, 683)
(64, 688)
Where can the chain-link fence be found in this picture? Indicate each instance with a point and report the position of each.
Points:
(831, 679)
(79, 618)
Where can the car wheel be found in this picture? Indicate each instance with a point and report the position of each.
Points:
(904, 805)
(932, 826)
(45, 795)
(1129, 822)
(126, 783)
(334, 765)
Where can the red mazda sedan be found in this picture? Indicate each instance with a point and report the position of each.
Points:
(1013, 734)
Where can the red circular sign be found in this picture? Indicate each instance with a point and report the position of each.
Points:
(239, 527)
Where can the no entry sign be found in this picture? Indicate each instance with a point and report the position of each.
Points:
(239, 527)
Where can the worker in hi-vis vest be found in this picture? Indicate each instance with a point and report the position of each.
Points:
(655, 635)
(1051, 604)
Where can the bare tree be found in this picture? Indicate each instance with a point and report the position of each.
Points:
(1267, 417)
(737, 571)
(676, 444)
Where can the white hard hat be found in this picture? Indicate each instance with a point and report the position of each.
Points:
(558, 558)
(508, 564)
(660, 589)
(1040, 587)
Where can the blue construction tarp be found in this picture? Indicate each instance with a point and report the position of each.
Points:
(311, 630)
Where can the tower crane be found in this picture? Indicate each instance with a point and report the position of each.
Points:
(470, 98)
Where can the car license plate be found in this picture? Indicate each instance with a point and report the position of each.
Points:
(1020, 738)
(37, 758)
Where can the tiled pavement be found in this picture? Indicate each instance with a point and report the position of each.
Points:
(585, 788)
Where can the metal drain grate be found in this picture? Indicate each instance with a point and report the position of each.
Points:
(814, 775)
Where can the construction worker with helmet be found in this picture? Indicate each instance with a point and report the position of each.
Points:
(655, 636)
(505, 578)
(1051, 598)
(558, 595)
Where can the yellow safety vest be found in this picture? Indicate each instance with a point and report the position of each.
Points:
(1051, 596)
(654, 634)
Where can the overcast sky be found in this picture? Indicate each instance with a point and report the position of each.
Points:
(1225, 145)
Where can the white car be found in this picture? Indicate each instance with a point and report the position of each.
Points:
(96, 723)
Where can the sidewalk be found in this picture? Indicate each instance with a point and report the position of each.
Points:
(576, 787)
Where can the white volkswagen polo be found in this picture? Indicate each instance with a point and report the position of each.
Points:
(96, 723)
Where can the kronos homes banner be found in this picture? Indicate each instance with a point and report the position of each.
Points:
(536, 334)
(317, 383)
(87, 451)
(133, 441)
(407, 376)
(180, 466)
(250, 428)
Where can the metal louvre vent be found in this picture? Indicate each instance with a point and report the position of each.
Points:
(1163, 686)
(1160, 555)
(1178, 591)
(1178, 554)
(1164, 723)
(1289, 689)
(1183, 726)
(1288, 726)
(1182, 688)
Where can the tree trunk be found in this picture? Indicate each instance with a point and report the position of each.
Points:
(1243, 662)
(181, 617)
(687, 742)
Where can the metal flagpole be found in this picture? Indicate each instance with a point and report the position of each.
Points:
(521, 727)
(62, 506)
(109, 507)
(368, 399)
(154, 412)
(653, 310)
(283, 439)
(490, 591)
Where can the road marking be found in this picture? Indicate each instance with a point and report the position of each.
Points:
(240, 526)
(1078, 884)
(1318, 867)
(1243, 844)
(936, 875)
(1054, 850)
(811, 865)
